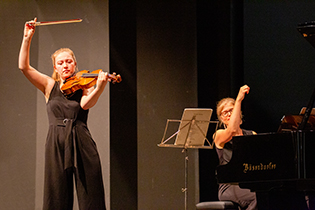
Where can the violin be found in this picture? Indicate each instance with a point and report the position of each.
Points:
(85, 79)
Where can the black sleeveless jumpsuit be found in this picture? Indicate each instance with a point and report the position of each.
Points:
(70, 152)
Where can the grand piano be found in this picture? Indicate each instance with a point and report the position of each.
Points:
(279, 167)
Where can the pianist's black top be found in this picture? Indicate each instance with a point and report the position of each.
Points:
(225, 154)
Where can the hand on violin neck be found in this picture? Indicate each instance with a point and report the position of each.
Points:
(102, 80)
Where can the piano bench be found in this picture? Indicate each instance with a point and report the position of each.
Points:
(217, 205)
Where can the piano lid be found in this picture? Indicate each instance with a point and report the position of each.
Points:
(292, 123)
(307, 29)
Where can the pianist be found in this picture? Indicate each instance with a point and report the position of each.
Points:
(230, 115)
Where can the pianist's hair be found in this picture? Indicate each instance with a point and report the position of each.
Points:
(221, 104)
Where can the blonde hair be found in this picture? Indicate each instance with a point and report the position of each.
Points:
(55, 75)
(222, 103)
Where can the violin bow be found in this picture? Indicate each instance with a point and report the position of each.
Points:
(43, 23)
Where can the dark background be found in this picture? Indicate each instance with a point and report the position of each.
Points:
(171, 55)
(255, 43)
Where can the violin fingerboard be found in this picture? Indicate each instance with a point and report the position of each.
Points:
(87, 75)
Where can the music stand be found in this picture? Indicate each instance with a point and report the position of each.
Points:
(191, 134)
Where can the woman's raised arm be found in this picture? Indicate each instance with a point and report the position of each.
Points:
(39, 80)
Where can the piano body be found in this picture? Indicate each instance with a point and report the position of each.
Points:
(279, 167)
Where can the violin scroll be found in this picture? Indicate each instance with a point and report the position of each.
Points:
(114, 78)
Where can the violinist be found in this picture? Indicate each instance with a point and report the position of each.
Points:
(70, 150)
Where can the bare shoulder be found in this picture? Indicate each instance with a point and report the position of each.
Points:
(218, 133)
(49, 86)
(217, 138)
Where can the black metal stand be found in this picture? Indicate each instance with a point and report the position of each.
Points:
(185, 148)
